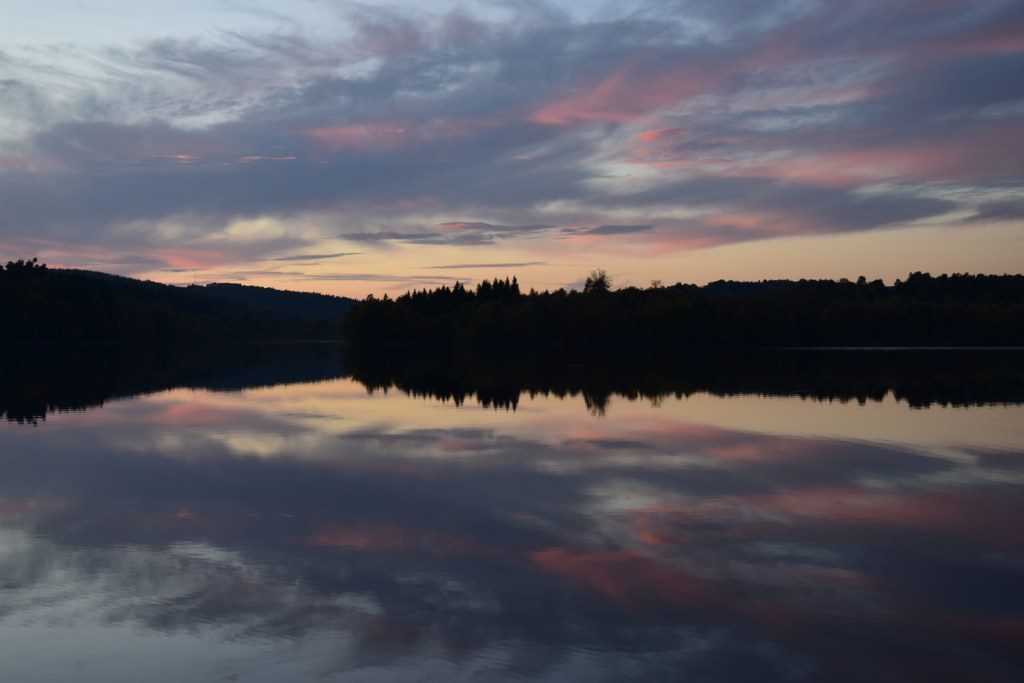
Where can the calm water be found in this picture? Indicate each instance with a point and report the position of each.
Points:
(272, 520)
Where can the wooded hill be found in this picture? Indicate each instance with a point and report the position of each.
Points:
(40, 304)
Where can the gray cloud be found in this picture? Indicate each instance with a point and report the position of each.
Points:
(480, 226)
(380, 277)
(617, 229)
(418, 237)
(455, 232)
(313, 257)
(405, 116)
(1008, 210)
(511, 264)
(131, 260)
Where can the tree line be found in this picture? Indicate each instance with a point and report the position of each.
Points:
(41, 304)
(922, 310)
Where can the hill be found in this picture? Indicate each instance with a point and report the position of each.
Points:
(40, 304)
(269, 300)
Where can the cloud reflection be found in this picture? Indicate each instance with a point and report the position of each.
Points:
(653, 543)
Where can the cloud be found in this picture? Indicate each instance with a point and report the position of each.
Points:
(746, 208)
(481, 227)
(379, 277)
(313, 257)
(1007, 210)
(418, 237)
(718, 123)
(617, 229)
(452, 232)
(133, 260)
(510, 264)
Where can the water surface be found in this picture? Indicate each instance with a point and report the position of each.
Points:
(271, 516)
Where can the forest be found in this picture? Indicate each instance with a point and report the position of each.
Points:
(41, 304)
(921, 310)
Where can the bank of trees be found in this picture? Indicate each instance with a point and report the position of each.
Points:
(922, 310)
(40, 304)
(47, 304)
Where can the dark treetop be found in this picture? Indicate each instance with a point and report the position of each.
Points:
(955, 310)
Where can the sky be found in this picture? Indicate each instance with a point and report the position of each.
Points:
(354, 148)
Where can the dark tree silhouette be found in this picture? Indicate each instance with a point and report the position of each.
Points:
(22, 267)
(40, 304)
(598, 282)
(949, 310)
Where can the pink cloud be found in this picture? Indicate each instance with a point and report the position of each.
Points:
(628, 93)
(181, 158)
(193, 259)
(361, 137)
(991, 152)
(253, 158)
(19, 164)
(419, 202)
(61, 254)
(185, 149)
(635, 90)
(392, 135)
(659, 133)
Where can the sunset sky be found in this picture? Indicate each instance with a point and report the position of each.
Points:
(352, 148)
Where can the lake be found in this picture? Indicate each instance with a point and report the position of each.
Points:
(285, 514)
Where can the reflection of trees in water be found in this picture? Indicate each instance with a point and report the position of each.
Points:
(919, 377)
(597, 405)
(35, 382)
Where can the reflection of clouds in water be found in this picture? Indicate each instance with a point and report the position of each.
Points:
(537, 544)
(431, 619)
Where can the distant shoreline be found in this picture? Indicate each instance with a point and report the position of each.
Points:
(894, 348)
(44, 307)
(922, 312)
